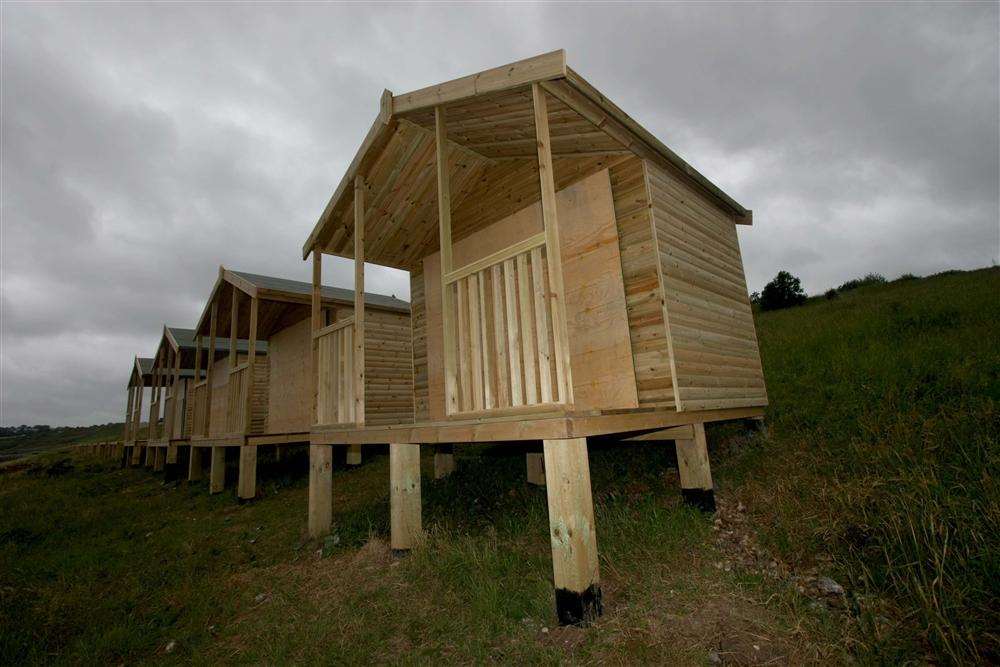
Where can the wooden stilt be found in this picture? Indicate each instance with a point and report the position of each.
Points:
(217, 474)
(572, 531)
(536, 468)
(194, 464)
(354, 455)
(404, 495)
(444, 460)
(160, 459)
(695, 471)
(320, 489)
(246, 488)
(170, 471)
(150, 454)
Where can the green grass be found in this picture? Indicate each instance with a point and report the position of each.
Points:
(19, 446)
(884, 454)
(878, 469)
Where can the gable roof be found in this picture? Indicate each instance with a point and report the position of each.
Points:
(273, 284)
(184, 339)
(491, 144)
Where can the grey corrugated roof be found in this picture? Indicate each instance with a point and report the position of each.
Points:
(185, 339)
(145, 365)
(337, 293)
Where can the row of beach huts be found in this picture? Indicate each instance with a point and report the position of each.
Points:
(570, 277)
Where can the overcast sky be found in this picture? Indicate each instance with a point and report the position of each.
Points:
(142, 146)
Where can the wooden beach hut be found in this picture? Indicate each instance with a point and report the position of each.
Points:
(271, 406)
(133, 438)
(171, 413)
(571, 276)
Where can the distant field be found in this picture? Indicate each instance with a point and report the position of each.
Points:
(877, 471)
(14, 447)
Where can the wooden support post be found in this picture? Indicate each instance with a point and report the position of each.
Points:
(128, 412)
(150, 456)
(137, 420)
(159, 459)
(359, 304)
(195, 463)
(546, 175)
(320, 489)
(536, 468)
(444, 227)
(695, 471)
(210, 365)
(234, 316)
(404, 496)
(176, 427)
(444, 460)
(246, 488)
(251, 370)
(217, 474)
(572, 531)
(316, 325)
(354, 455)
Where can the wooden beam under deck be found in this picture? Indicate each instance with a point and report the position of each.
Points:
(537, 427)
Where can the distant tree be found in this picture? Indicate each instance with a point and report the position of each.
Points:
(831, 294)
(868, 280)
(755, 298)
(784, 291)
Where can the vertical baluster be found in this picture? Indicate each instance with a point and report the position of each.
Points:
(499, 337)
(484, 343)
(524, 306)
(475, 341)
(334, 370)
(541, 326)
(464, 358)
(513, 339)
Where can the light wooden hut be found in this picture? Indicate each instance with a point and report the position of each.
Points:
(133, 439)
(176, 365)
(272, 406)
(571, 276)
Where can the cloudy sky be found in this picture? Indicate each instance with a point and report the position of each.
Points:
(142, 146)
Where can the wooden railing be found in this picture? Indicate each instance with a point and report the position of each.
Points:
(199, 418)
(504, 347)
(236, 407)
(169, 417)
(155, 427)
(335, 377)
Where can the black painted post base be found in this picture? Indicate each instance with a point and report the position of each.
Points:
(578, 608)
(703, 499)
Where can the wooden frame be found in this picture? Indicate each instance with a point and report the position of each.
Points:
(572, 277)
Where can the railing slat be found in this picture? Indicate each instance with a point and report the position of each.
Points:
(475, 341)
(499, 337)
(513, 339)
(525, 307)
(484, 343)
(541, 326)
(464, 353)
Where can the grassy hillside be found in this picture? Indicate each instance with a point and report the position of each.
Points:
(18, 446)
(877, 471)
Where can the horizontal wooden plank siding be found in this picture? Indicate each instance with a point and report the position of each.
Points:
(388, 368)
(709, 321)
(650, 354)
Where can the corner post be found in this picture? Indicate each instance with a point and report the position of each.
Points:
(444, 460)
(316, 325)
(546, 177)
(217, 474)
(444, 227)
(246, 488)
(536, 468)
(130, 397)
(404, 496)
(170, 470)
(695, 471)
(210, 366)
(320, 489)
(572, 531)
(359, 301)
(136, 421)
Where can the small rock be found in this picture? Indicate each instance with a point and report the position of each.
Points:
(253, 540)
(149, 534)
(545, 631)
(171, 645)
(756, 647)
(829, 586)
(260, 597)
(714, 658)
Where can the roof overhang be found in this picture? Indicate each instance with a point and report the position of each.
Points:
(403, 130)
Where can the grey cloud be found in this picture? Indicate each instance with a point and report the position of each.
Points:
(144, 145)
